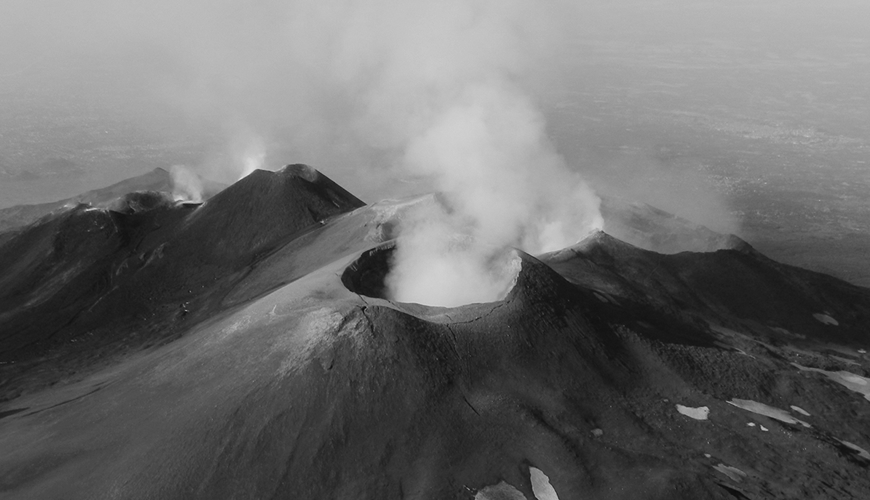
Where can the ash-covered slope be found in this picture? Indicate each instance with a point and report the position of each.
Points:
(650, 228)
(92, 282)
(16, 218)
(731, 285)
(22, 215)
(293, 376)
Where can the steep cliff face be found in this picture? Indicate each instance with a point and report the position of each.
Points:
(617, 372)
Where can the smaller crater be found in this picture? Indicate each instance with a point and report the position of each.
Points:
(367, 274)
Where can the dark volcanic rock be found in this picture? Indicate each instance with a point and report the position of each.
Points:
(21, 215)
(290, 376)
(105, 281)
(739, 285)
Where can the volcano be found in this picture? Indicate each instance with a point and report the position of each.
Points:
(247, 347)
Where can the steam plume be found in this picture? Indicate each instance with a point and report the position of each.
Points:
(186, 184)
(447, 94)
(506, 186)
(437, 90)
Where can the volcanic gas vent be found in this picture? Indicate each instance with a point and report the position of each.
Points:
(446, 282)
(367, 274)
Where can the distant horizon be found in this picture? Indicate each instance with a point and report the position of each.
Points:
(748, 117)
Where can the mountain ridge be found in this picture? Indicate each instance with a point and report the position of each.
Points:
(246, 347)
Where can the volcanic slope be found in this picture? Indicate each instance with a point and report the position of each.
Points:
(618, 372)
(89, 283)
(19, 216)
(650, 228)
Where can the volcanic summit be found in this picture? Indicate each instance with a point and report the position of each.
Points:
(249, 347)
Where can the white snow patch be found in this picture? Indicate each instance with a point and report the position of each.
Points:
(849, 380)
(845, 360)
(855, 379)
(862, 351)
(763, 428)
(500, 491)
(707, 455)
(733, 473)
(767, 411)
(700, 413)
(800, 410)
(824, 318)
(751, 424)
(861, 451)
(786, 332)
(541, 486)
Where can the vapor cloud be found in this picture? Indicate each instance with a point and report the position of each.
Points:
(440, 92)
(443, 92)
(504, 186)
(186, 184)
(435, 91)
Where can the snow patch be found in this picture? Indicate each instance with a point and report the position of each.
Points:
(733, 473)
(500, 491)
(541, 486)
(800, 410)
(824, 318)
(787, 332)
(845, 360)
(767, 411)
(849, 380)
(700, 413)
(861, 451)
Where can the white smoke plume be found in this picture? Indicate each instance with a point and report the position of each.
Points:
(252, 157)
(448, 96)
(443, 91)
(439, 262)
(242, 152)
(186, 184)
(505, 186)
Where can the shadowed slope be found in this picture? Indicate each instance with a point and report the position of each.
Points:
(97, 279)
(315, 391)
(731, 285)
(295, 378)
(351, 397)
(650, 228)
(265, 207)
(22, 215)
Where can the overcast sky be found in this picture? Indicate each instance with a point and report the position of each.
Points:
(311, 79)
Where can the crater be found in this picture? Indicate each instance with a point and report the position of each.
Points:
(302, 171)
(444, 281)
(367, 274)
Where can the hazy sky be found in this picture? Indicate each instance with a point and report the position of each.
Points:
(339, 83)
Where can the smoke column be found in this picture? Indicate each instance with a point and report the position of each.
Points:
(186, 184)
(504, 186)
(446, 93)
(440, 91)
